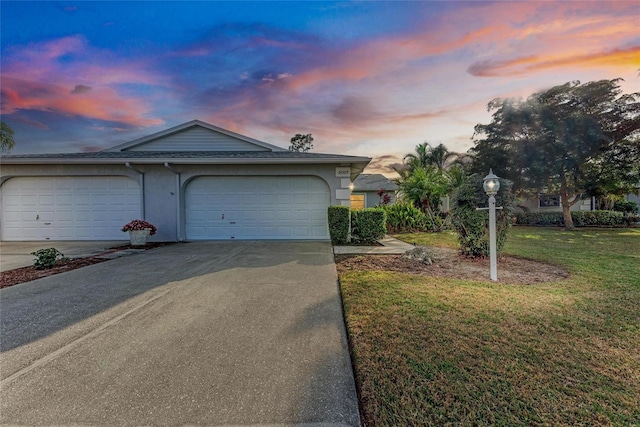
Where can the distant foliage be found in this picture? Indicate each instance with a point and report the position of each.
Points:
(47, 258)
(6, 138)
(625, 206)
(368, 225)
(339, 224)
(472, 225)
(301, 143)
(580, 219)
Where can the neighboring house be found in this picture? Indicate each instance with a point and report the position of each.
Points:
(364, 192)
(551, 203)
(194, 181)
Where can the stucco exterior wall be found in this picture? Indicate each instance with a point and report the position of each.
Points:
(372, 199)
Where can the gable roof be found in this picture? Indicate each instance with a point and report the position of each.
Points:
(373, 182)
(257, 153)
(195, 135)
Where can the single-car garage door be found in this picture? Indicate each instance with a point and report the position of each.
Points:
(257, 207)
(68, 208)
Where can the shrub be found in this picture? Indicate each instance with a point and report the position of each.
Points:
(580, 218)
(47, 258)
(368, 225)
(406, 218)
(625, 206)
(472, 225)
(338, 224)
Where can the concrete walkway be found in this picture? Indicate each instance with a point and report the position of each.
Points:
(202, 333)
(390, 246)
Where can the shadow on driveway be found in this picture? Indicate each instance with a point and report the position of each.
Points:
(198, 333)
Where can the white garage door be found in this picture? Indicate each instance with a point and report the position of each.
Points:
(68, 208)
(264, 207)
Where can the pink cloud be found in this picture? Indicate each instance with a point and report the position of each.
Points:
(539, 29)
(619, 58)
(86, 84)
(101, 103)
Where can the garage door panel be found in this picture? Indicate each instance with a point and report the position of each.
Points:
(65, 233)
(68, 208)
(256, 208)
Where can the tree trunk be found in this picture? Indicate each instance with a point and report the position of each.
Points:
(566, 203)
(566, 210)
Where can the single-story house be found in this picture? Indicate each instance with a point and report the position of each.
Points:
(551, 203)
(194, 181)
(364, 191)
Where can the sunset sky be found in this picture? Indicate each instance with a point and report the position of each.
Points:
(365, 78)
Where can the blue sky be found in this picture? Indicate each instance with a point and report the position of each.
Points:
(365, 78)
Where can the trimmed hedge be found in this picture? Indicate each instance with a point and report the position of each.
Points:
(338, 224)
(580, 218)
(368, 225)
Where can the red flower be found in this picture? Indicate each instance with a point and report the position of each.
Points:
(140, 224)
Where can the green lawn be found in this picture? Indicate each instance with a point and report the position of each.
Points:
(438, 351)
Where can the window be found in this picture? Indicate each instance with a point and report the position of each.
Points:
(357, 201)
(549, 200)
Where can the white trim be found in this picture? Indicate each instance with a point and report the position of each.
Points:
(178, 160)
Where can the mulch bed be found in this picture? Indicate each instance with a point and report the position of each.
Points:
(27, 274)
(449, 263)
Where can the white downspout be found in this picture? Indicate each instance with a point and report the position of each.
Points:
(142, 204)
(178, 210)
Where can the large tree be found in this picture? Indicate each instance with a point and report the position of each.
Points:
(574, 139)
(6, 138)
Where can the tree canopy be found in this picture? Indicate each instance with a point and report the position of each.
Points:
(301, 143)
(6, 138)
(573, 139)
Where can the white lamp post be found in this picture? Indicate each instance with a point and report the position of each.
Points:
(491, 185)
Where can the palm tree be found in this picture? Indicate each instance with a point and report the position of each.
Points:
(426, 155)
(430, 174)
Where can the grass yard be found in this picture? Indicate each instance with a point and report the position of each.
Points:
(440, 351)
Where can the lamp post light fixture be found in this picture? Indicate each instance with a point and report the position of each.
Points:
(491, 185)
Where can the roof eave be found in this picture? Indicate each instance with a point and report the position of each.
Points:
(189, 160)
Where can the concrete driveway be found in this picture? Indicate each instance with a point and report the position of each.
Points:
(210, 333)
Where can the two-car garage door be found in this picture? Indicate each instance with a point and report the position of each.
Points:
(68, 208)
(215, 207)
(256, 207)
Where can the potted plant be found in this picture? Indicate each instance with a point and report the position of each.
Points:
(139, 231)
